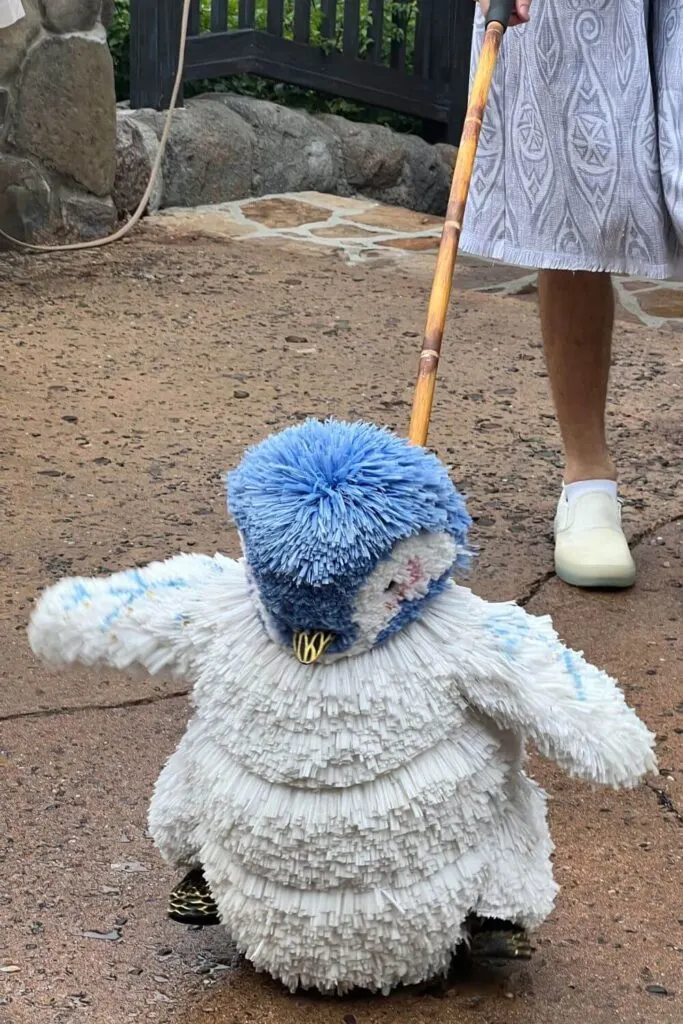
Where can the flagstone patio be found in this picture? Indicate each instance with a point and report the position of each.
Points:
(364, 231)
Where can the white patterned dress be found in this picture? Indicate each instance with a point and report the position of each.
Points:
(580, 164)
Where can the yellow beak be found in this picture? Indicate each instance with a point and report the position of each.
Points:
(310, 647)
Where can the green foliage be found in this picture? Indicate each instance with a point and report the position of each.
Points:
(399, 27)
(118, 36)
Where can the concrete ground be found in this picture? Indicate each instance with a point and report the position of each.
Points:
(132, 378)
(362, 231)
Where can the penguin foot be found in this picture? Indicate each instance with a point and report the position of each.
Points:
(191, 901)
(494, 943)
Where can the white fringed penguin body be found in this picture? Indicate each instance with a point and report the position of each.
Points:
(351, 781)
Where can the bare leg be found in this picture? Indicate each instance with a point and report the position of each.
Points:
(577, 317)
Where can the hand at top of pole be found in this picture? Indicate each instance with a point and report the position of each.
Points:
(521, 11)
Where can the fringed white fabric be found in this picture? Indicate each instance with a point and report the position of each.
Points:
(350, 815)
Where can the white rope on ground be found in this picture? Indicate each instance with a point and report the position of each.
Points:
(142, 205)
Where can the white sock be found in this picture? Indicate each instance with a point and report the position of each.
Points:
(581, 487)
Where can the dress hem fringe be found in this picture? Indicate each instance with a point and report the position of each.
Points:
(528, 258)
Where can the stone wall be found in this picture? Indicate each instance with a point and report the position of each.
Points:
(57, 122)
(224, 147)
(71, 164)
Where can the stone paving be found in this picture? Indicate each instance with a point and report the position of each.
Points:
(133, 376)
(364, 231)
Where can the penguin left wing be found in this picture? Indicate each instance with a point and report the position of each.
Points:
(155, 617)
(514, 668)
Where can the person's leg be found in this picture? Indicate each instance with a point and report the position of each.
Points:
(539, 198)
(577, 318)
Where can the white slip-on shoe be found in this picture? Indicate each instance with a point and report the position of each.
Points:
(590, 547)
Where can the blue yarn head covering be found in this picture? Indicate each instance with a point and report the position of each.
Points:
(320, 504)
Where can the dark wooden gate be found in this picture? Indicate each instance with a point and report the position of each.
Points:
(411, 57)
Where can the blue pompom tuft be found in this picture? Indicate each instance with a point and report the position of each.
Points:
(323, 502)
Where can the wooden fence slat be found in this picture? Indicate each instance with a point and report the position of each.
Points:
(422, 48)
(376, 30)
(246, 14)
(219, 15)
(460, 40)
(154, 35)
(275, 17)
(440, 36)
(193, 19)
(302, 21)
(328, 25)
(351, 41)
(397, 51)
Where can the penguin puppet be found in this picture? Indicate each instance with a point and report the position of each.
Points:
(349, 798)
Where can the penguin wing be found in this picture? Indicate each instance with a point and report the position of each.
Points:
(514, 668)
(155, 617)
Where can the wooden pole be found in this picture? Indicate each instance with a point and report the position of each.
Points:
(450, 237)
